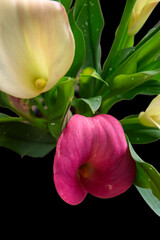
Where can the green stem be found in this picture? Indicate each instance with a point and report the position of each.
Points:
(41, 107)
(11, 119)
(37, 122)
(130, 120)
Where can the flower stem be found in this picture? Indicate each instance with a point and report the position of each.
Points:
(11, 119)
(41, 107)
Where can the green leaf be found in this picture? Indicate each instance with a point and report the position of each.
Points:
(136, 59)
(88, 16)
(148, 36)
(66, 3)
(59, 100)
(151, 87)
(147, 182)
(80, 50)
(150, 199)
(93, 74)
(4, 100)
(25, 139)
(149, 52)
(120, 38)
(138, 133)
(87, 107)
(121, 56)
(88, 82)
(125, 82)
(6, 118)
(152, 66)
(2, 115)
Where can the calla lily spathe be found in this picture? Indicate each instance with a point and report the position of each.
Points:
(36, 46)
(151, 117)
(141, 12)
(92, 156)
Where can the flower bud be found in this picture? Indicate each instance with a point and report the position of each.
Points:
(151, 117)
(140, 14)
(36, 46)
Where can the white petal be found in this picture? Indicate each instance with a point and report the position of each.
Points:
(154, 107)
(151, 117)
(35, 42)
(148, 121)
(141, 12)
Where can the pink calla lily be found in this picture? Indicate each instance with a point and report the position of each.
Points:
(92, 156)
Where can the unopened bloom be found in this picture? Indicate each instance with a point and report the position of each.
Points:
(141, 12)
(151, 117)
(36, 46)
(92, 156)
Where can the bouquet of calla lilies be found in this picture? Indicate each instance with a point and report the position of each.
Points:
(59, 95)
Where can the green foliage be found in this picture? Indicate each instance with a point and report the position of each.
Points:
(58, 101)
(24, 138)
(121, 38)
(138, 133)
(134, 71)
(79, 47)
(147, 182)
(87, 89)
(88, 16)
(87, 107)
(89, 83)
(126, 82)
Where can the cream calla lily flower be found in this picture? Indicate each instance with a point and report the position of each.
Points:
(36, 46)
(151, 117)
(141, 12)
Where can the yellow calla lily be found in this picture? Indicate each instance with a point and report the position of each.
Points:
(151, 117)
(36, 46)
(141, 12)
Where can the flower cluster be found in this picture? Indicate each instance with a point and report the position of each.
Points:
(51, 77)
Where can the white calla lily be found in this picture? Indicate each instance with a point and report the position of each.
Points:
(151, 117)
(36, 46)
(141, 12)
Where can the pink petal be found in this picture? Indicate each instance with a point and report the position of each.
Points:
(92, 156)
(114, 168)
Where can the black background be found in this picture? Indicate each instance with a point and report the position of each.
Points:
(28, 196)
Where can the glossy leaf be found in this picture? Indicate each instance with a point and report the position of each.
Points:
(138, 133)
(151, 87)
(89, 83)
(60, 99)
(88, 16)
(80, 50)
(147, 182)
(150, 51)
(150, 199)
(125, 82)
(87, 107)
(25, 139)
(135, 60)
(120, 38)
